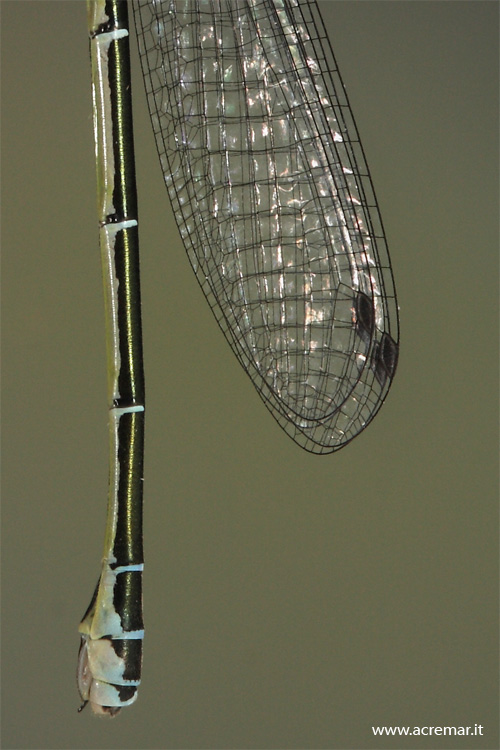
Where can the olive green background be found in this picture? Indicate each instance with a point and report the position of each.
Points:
(291, 601)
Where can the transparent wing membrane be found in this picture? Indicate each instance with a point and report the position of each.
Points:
(275, 205)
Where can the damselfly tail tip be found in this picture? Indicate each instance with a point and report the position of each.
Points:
(90, 688)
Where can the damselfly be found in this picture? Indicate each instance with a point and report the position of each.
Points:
(275, 204)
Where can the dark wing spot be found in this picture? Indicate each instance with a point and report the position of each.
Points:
(365, 317)
(385, 358)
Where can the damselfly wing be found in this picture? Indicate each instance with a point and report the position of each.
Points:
(274, 201)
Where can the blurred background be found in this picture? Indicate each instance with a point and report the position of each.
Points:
(291, 600)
